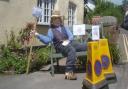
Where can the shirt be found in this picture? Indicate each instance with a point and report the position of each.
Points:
(49, 37)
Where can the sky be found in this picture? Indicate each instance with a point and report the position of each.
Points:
(118, 2)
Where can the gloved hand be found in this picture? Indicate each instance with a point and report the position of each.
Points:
(65, 42)
(34, 32)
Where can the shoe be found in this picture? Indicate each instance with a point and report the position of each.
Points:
(70, 76)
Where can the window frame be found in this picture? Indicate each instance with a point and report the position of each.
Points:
(47, 8)
(71, 14)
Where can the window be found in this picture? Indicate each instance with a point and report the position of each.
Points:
(47, 7)
(71, 14)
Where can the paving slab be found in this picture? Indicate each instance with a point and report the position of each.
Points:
(43, 80)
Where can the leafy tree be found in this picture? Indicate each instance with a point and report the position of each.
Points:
(125, 2)
(106, 8)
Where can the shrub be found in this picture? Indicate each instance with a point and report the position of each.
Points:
(112, 35)
(14, 56)
(115, 53)
(13, 43)
(9, 61)
(40, 57)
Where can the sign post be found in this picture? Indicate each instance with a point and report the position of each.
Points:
(36, 12)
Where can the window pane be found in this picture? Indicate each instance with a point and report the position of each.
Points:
(44, 18)
(47, 11)
(47, 6)
(71, 13)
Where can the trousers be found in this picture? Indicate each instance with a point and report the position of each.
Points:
(69, 51)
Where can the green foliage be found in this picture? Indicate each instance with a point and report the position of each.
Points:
(9, 61)
(115, 53)
(13, 57)
(13, 61)
(112, 36)
(43, 54)
(40, 57)
(82, 60)
(106, 8)
(13, 43)
(125, 2)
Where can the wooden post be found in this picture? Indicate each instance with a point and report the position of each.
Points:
(29, 57)
(36, 13)
(30, 51)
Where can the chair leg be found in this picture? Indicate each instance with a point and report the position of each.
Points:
(57, 62)
(58, 66)
(52, 65)
(52, 68)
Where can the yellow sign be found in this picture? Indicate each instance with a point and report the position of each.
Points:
(94, 77)
(106, 59)
(105, 56)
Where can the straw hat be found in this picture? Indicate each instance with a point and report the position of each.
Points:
(56, 13)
